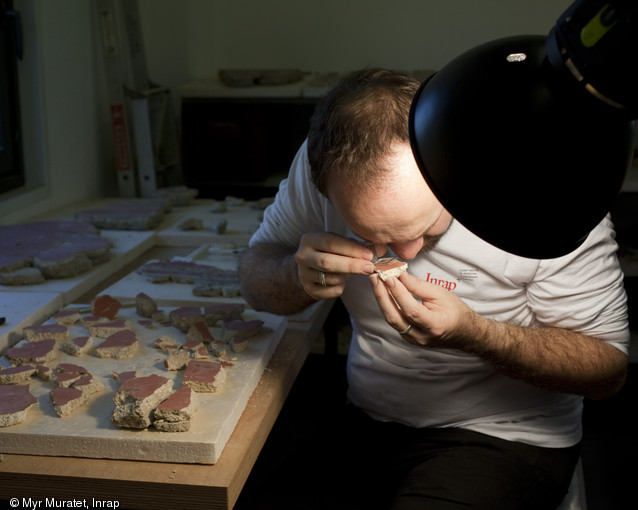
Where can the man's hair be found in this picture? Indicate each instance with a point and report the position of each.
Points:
(356, 124)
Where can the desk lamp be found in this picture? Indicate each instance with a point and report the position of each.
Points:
(526, 140)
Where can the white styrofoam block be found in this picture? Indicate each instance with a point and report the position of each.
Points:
(88, 432)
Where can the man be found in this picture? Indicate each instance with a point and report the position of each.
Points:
(466, 374)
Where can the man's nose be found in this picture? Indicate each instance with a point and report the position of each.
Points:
(409, 250)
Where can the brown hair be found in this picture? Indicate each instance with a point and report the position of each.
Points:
(355, 125)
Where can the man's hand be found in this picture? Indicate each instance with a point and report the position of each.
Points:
(438, 318)
(325, 260)
(554, 359)
(281, 280)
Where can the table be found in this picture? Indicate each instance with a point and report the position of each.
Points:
(138, 484)
(168, 486)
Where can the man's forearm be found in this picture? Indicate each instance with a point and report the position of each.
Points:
(552, 358)
(269, 280)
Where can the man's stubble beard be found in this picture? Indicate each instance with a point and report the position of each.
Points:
(430, 242)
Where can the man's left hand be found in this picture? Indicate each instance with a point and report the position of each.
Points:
(436, 317)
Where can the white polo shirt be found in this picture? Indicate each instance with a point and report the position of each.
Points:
(434, 387)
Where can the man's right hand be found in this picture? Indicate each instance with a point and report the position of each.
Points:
(325, 261)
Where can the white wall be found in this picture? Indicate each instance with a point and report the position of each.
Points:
(200, 37)
(69, 143)
(64, 147)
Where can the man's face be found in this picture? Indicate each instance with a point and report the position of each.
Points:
(401, 212)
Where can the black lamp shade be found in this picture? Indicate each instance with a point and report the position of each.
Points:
(525, 163)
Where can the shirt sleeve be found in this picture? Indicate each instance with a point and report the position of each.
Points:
(583, 291)
(298, 207)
